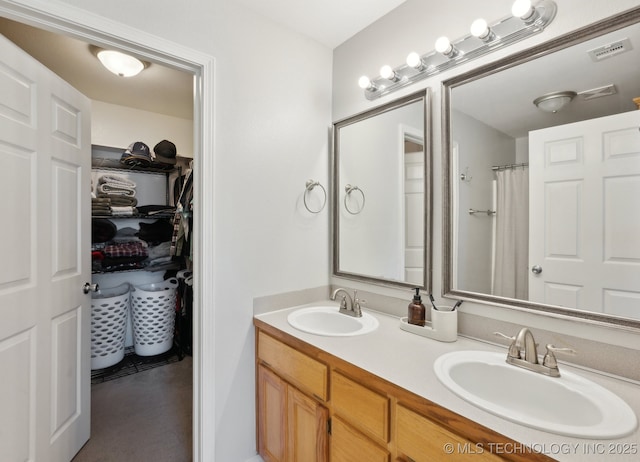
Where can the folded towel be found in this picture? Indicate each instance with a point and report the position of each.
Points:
(108, 189)
(123, 201)
(117, 180)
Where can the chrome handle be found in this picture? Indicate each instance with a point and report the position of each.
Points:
(569, 351)
(500, 334)
(536, 269)
(549, 359)
(88, 287)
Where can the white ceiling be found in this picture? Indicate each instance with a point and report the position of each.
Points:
(504, 100)
(167, 91)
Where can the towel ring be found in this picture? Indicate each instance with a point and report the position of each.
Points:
(310, 185)
(349, 189)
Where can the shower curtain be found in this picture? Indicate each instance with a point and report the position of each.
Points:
(511, 269)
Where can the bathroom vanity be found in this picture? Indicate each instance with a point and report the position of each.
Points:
(375, 397)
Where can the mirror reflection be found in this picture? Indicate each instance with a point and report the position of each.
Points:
(381, 194)
(544, 177)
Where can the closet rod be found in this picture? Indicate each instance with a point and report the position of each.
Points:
(508, 166)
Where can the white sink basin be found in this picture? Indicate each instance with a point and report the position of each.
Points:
(567, 405)
(327, 320)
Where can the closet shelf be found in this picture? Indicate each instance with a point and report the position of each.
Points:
(153, 216)
(105, 163)
(151, 269)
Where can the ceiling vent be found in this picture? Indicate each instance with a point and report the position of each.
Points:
(612, 49)
(599, 92)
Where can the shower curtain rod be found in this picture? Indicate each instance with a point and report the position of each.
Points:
(506, 167)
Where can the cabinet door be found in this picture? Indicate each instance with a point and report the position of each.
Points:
(291, 426)
(422, 440)
(349, 445)
(363, 408)
(307, 428)
(272, 416)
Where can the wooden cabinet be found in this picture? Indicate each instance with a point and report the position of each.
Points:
(301, 389)
(422, 440)
(348, 444)
(292, 421)
(297, 368)
(359, 422)
(272, 415)
(363, 408)
(307, 428)
(291, 426)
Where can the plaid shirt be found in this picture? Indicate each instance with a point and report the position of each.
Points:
(126, 249)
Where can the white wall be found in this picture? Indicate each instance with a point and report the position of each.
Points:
(119, 126)
(370, 241)
(271, 134)
(479, 148)
(415, 26)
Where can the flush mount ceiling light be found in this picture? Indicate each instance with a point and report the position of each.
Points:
(553, 102)
(525, 20)
(119, 63)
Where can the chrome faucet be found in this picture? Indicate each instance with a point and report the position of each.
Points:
(523, 353)
(349, 306)
(525, 342)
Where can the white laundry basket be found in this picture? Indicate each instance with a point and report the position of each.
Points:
(153, 314)
(109, 311)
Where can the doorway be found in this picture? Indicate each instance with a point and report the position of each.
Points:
(199, 66)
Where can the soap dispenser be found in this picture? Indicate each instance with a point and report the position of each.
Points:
(417, 311)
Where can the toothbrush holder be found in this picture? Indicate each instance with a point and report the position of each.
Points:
(444, 322)
(442, 327)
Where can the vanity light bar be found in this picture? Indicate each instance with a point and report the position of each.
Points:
(526, 20)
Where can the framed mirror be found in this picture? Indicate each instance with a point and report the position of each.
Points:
(542, 177)
(382, 194)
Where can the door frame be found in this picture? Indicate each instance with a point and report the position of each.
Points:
(84, 25)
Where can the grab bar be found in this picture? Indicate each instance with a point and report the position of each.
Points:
(488, 212)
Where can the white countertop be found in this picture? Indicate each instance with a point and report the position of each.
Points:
(406, 360)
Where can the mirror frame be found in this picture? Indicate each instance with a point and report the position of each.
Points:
(607, 25)
(423, 96)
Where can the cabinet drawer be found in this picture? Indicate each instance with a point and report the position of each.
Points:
(297, 368)
(348, 445)
(423, 440)
(362, 407)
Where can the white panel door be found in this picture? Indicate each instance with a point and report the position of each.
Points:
(585, 215)
(45, 165)
(414, 218)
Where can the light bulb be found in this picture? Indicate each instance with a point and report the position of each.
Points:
(386, 72)
(443, 45)
(364, 82)
(414, 60)
(522, 9)
(479, 28)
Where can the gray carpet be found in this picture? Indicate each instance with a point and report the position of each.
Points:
(142, 417)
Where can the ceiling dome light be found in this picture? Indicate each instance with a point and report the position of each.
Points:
(119, 63)
(553, 102)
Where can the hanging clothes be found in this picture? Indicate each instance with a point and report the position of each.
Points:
(183, 219)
